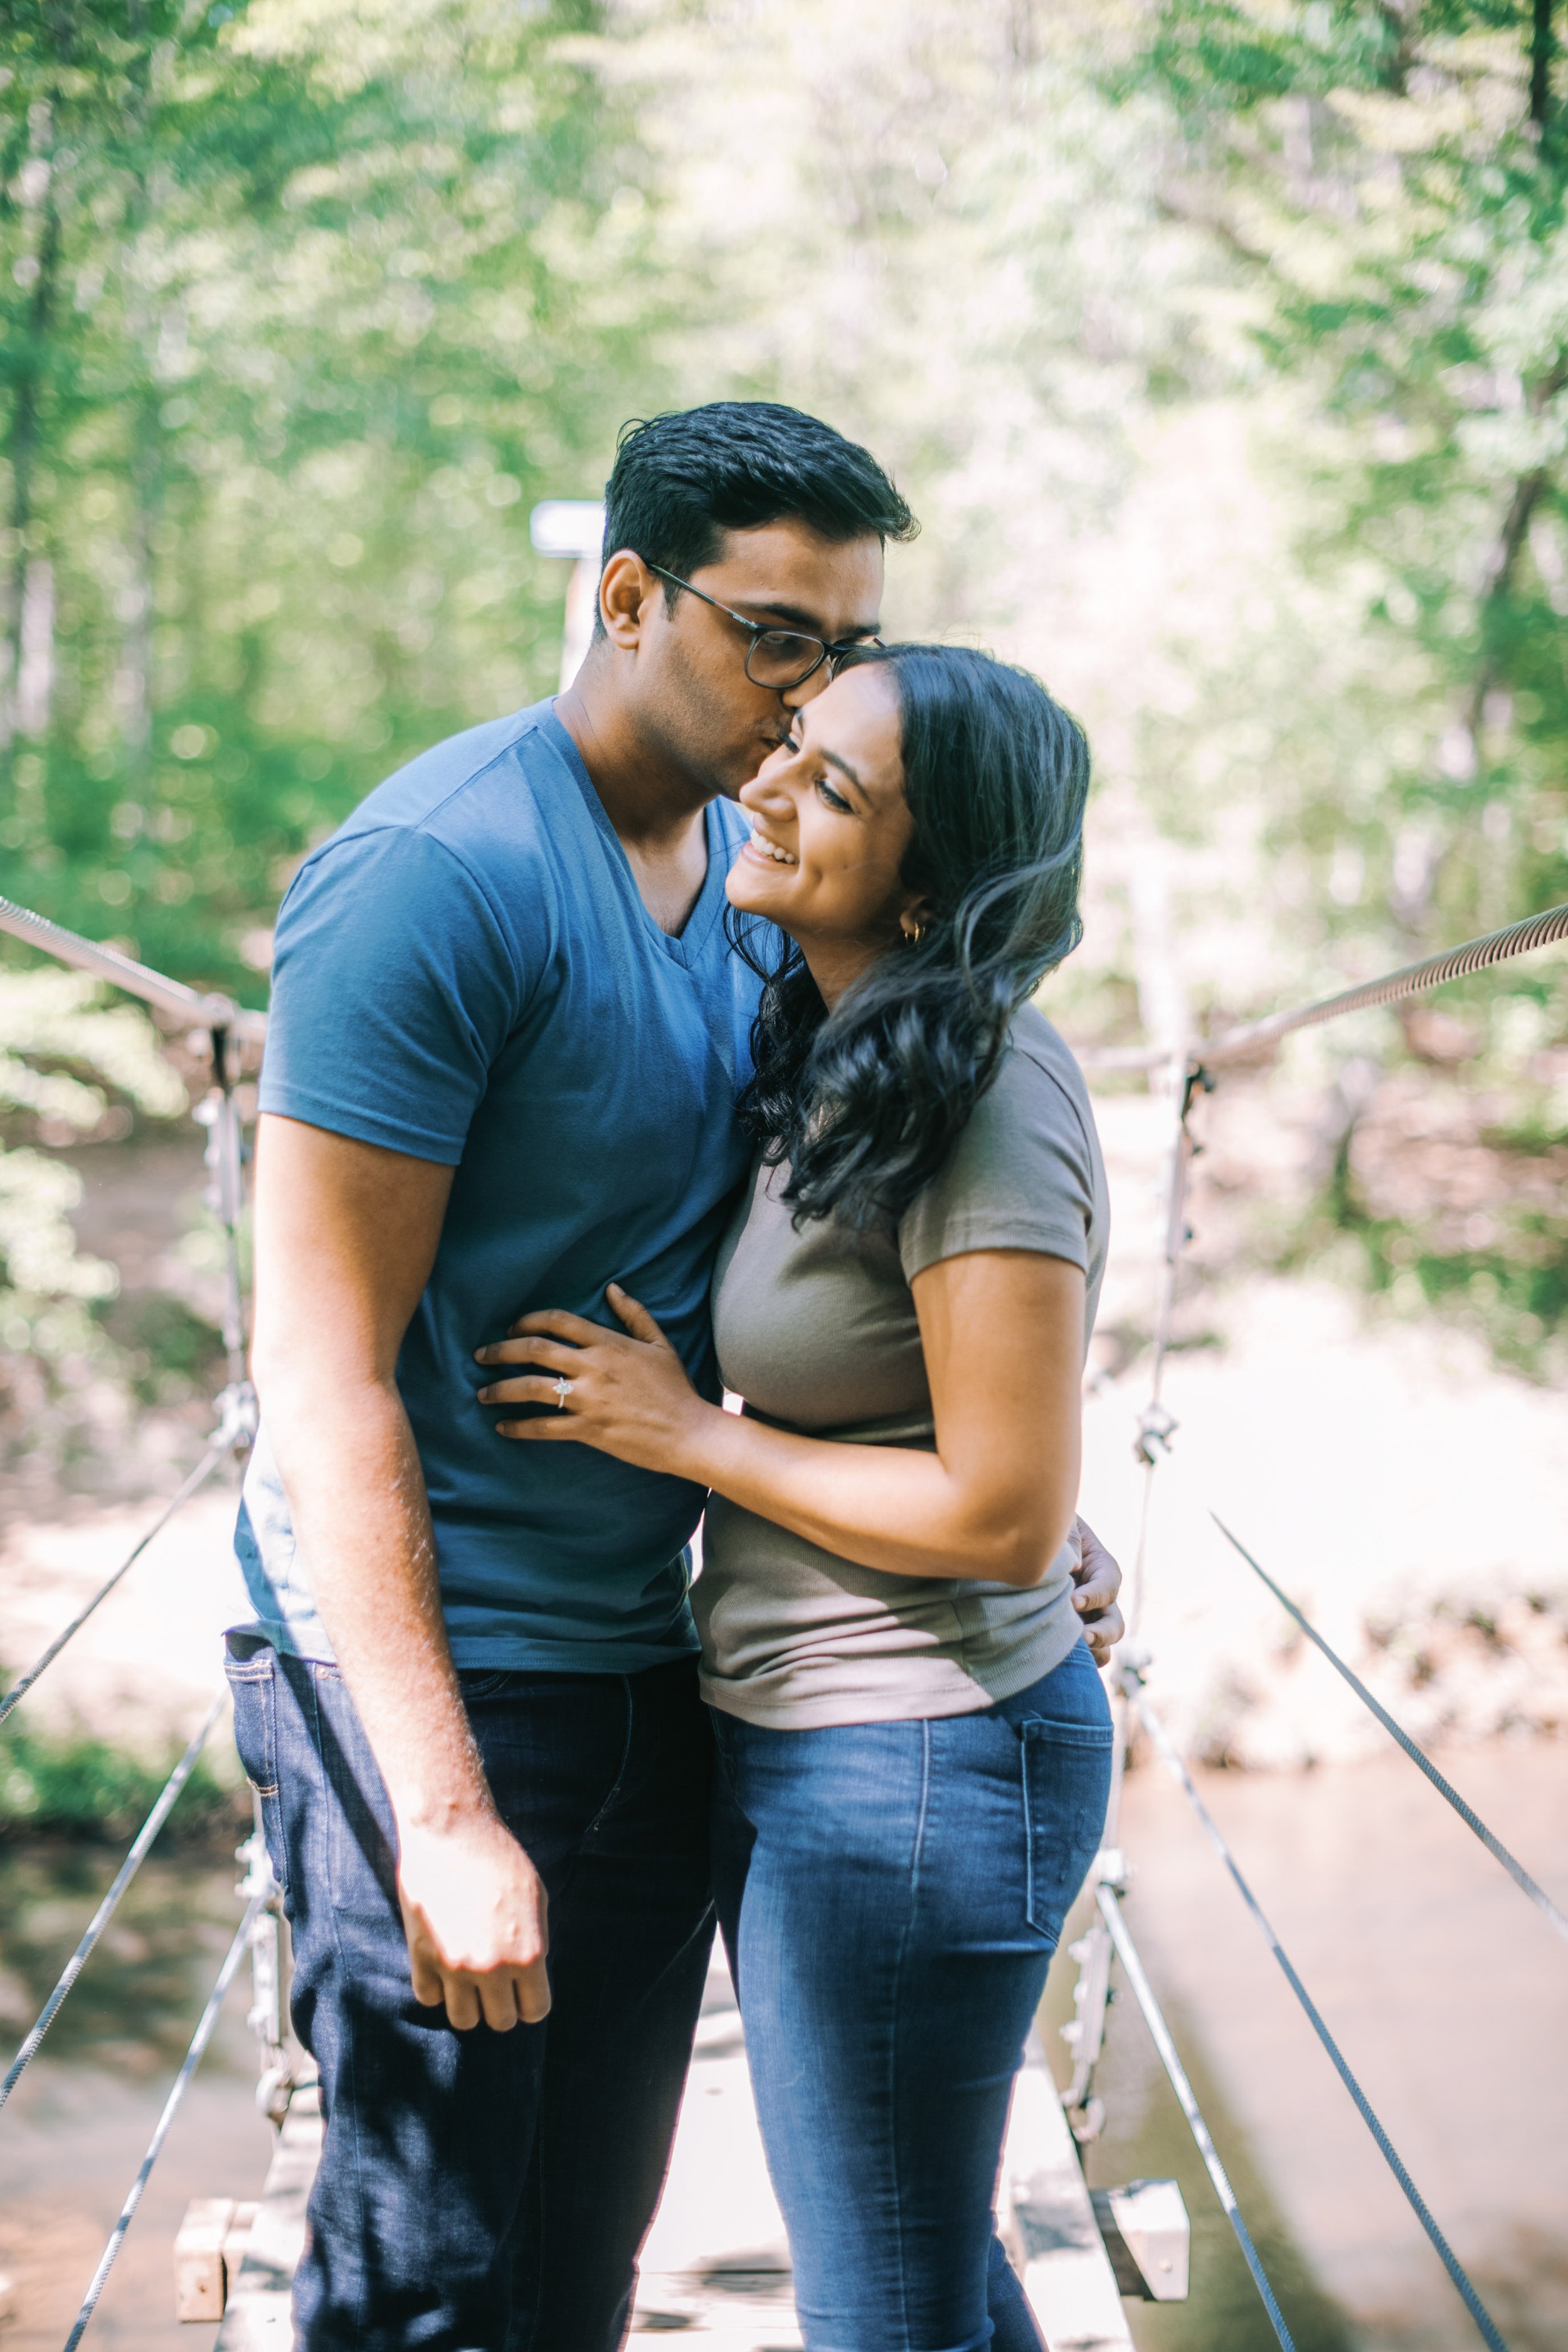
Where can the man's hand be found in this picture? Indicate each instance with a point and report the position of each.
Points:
(474, 1913)
(1097, 1580)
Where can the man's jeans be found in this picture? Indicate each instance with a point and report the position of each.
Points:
(482, 2192)
(891, 1895)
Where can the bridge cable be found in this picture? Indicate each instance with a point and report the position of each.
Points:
(194, 2056)
(1472, 1820)
(202, 1008)
(221, 1444)
(1143, 1993)
(1249, 1038)
(111, 1903)
(1390, 2154)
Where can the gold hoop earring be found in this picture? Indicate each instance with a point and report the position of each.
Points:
(913, 938)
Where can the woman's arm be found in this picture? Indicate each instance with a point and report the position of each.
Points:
(1002, 1336)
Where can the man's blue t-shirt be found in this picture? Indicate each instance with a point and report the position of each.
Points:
(467, 972)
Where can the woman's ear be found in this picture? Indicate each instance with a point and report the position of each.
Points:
(915, 920)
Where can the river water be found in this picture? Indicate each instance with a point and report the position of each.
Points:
(1449, 1992)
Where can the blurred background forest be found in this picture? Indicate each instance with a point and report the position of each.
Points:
(1221, 345)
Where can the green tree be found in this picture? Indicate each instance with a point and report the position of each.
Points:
(301, 309)
(1389, 179)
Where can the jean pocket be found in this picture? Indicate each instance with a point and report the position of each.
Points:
(1067, 1784)
(254, 1686)
(482, 1682)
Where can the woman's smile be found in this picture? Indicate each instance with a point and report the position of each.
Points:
(829, 828)
(771, 853)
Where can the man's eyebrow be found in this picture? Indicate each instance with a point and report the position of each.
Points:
(797, 618)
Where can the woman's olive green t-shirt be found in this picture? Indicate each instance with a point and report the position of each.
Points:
(816, 1331)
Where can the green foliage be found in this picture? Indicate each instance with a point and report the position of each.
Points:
(1222, 346)
(1391, 181)
(60, 1037)
(73, 1063)
(53, 1784)
(300, 310)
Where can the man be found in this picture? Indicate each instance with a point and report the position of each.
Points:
(507, 1038)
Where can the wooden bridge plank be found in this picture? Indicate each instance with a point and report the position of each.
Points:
(716, 2265)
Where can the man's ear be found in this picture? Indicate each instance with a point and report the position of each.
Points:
(626, 589)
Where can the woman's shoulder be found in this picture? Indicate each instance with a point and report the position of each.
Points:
(1039, 1084)
(1026, 1172)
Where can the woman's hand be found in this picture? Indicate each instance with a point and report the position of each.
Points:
(627, 1396)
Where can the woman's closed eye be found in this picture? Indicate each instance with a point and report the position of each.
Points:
(834, 800)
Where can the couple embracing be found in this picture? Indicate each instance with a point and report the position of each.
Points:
(588, 1094)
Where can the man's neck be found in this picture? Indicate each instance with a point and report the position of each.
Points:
(654, 807)
(652, 803)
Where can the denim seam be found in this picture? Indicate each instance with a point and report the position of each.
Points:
(362, 2284)
(904, 1942)
(615, 1788)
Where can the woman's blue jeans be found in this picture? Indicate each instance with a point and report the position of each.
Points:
(891, 1895)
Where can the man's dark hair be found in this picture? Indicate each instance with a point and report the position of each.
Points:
(682, 480)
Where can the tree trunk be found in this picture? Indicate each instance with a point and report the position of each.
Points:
(36, 664)
(1542, 47)
(39, 201)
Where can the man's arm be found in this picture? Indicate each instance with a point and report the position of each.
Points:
(345, 1237)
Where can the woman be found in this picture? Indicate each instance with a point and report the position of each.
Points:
(915, 1748)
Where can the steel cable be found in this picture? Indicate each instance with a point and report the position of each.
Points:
(1548, 928)
(1540, 930)
(1153, 2018)
(220, 1445)
(1387, 2148)
(1419, 1756)
(204, 1008)
(111, 1903)
(194, 2056)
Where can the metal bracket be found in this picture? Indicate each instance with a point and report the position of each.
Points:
(266, 2017)
(1156, 1427)
(1092, 1997)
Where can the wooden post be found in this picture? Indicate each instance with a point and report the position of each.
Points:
(200, 2287)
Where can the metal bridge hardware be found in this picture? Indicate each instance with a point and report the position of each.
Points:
(1190, 1069)
(1387, 2148)
(1144, 2223)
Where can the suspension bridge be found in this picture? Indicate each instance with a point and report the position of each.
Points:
(716, 2265)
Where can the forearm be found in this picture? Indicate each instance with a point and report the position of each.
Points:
(898, 1508)
(362, 1518)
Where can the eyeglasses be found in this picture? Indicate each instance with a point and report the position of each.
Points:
(777, 658)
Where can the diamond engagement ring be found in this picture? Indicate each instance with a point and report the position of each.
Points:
(563, 1391)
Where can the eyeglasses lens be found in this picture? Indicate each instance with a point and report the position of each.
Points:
(780, 659)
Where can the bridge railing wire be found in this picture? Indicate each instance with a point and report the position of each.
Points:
(141, 1847)
(1190, 1069)
(1107, 1898)
(194, 2056)
(220, 1446)
(1417, 1755)
(1390, 2154)
(227, 1028)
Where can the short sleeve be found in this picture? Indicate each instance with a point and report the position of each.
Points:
(393, 989)
(1022, 1176)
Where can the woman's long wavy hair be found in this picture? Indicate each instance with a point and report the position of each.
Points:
(866, 1102)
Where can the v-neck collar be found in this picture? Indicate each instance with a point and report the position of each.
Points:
(687, 946)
